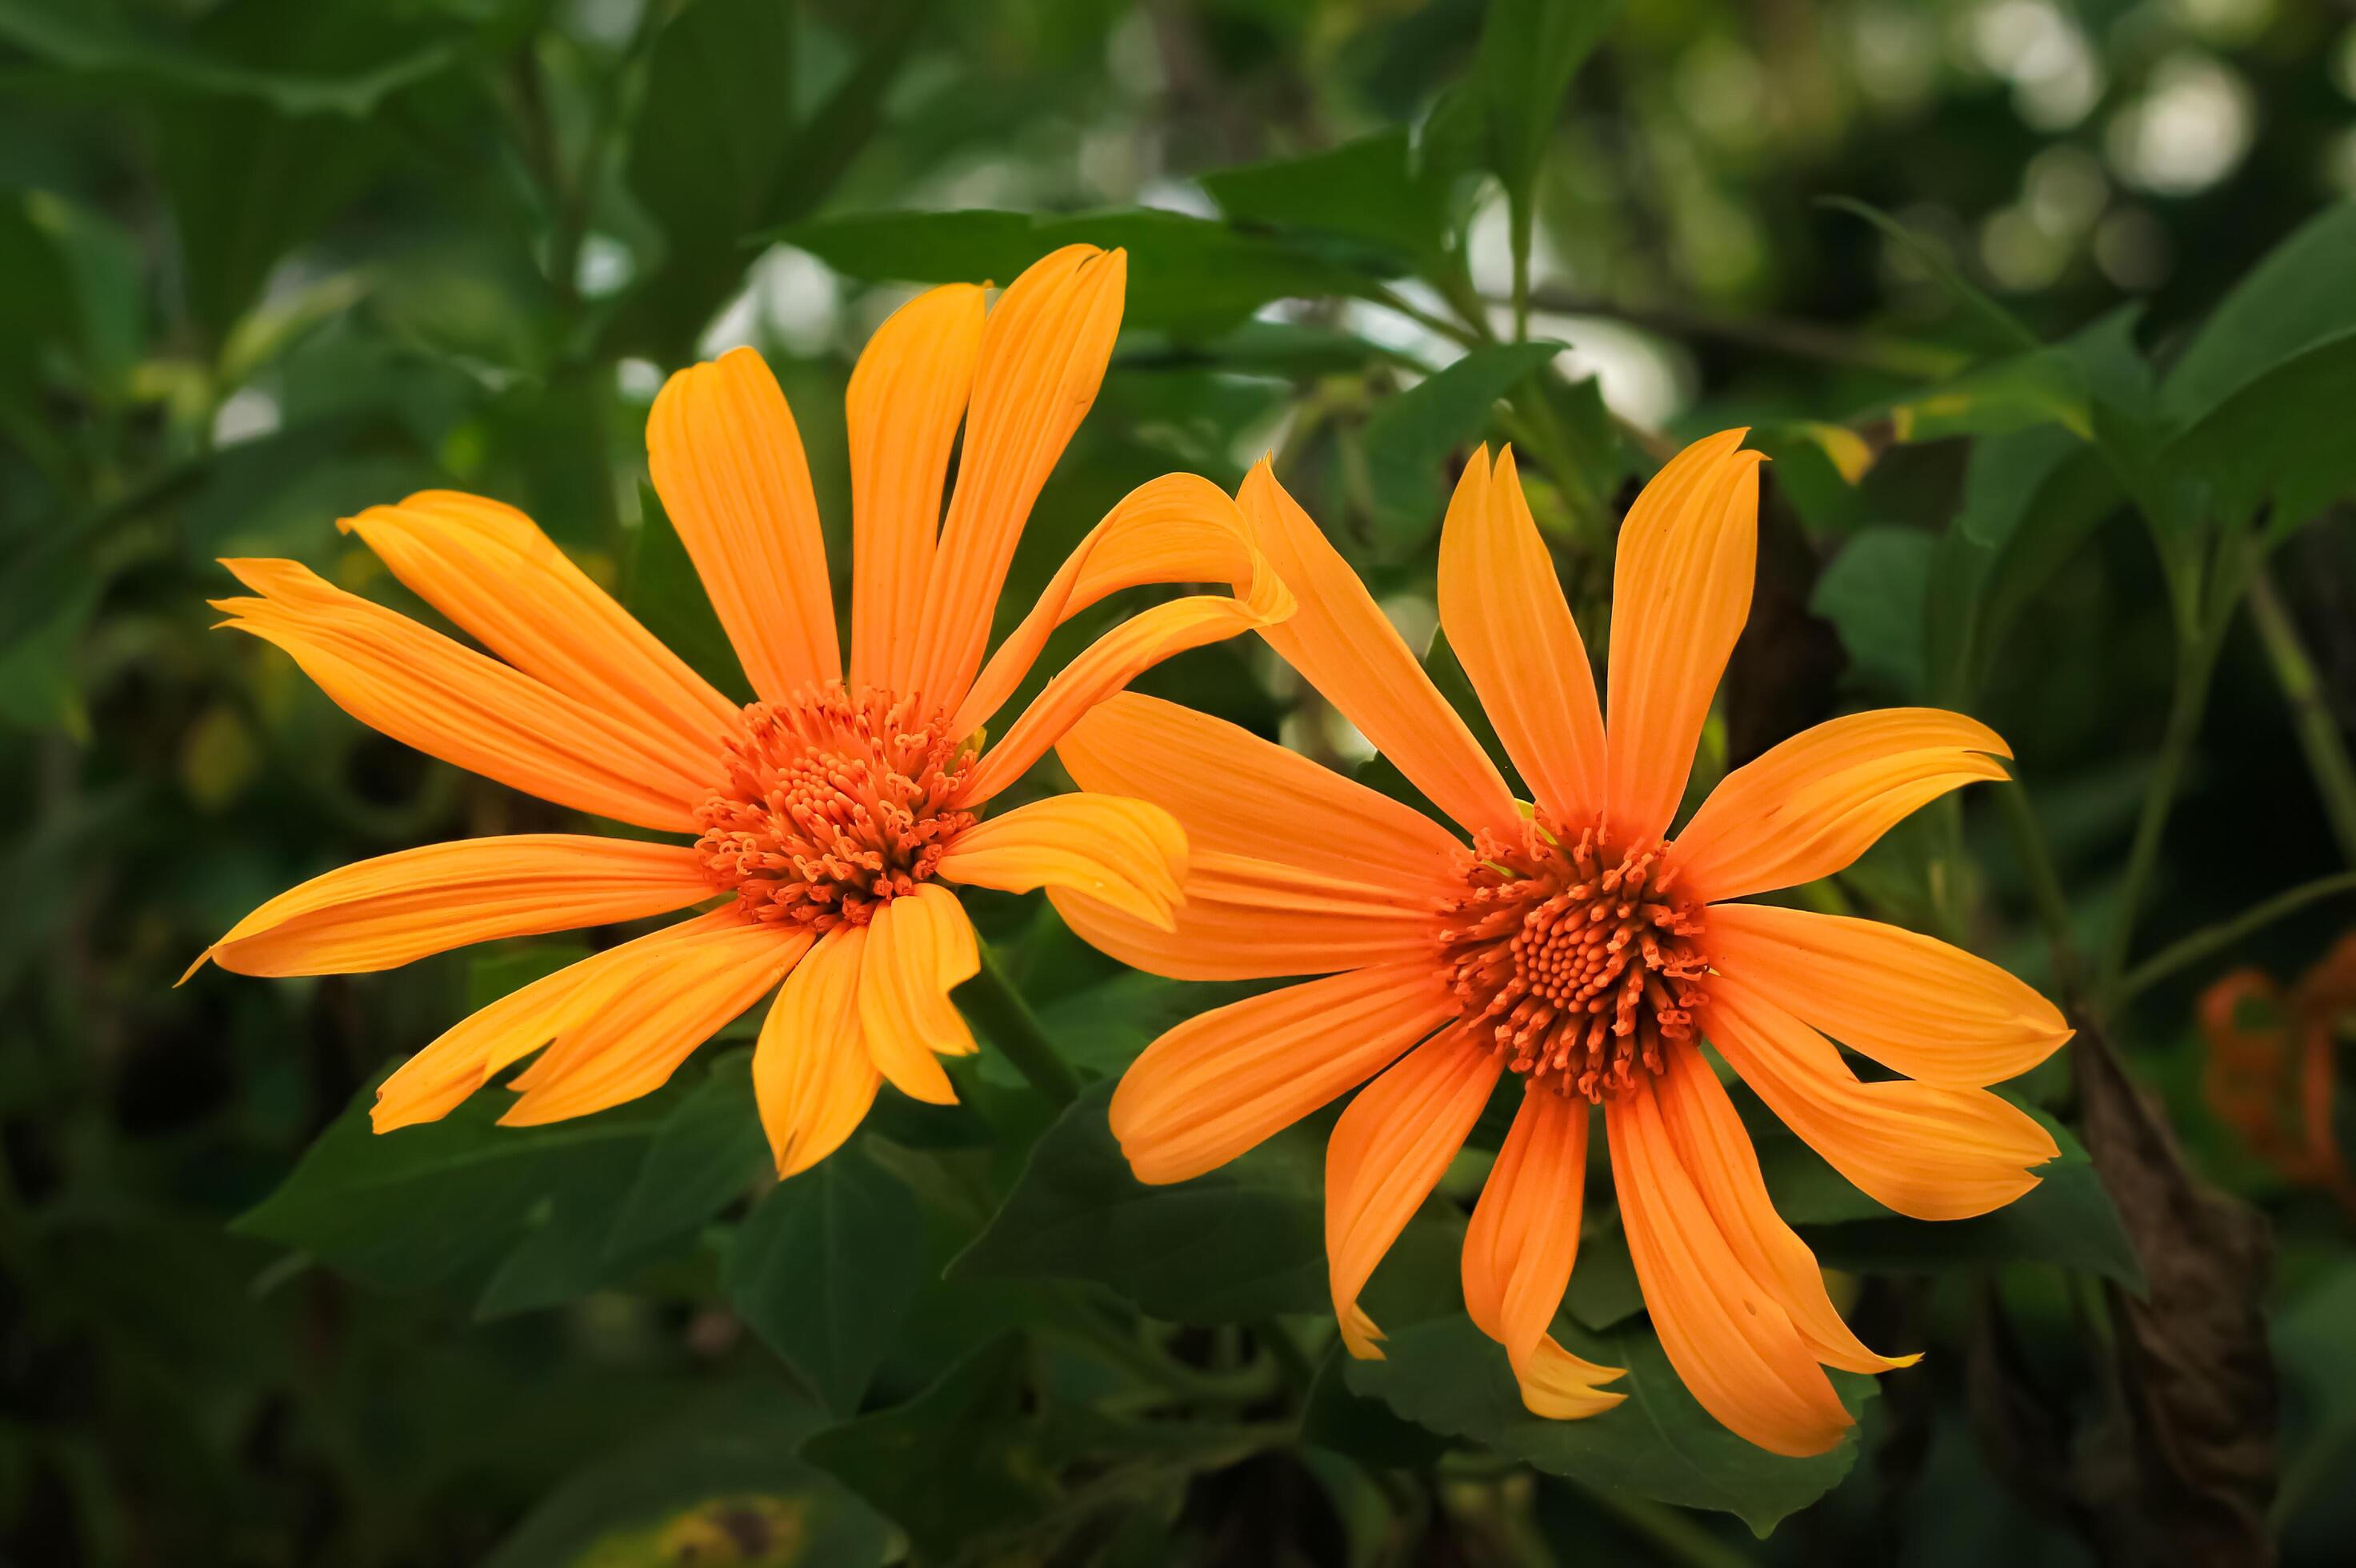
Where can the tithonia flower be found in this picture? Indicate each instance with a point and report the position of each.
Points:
(1571, 942)
(835, 814)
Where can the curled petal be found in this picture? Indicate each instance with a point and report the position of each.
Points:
(1124, 856)
(1925, 1151)
(812, 1077)
(1812, 805)
(1930, 1011)
(919, 948)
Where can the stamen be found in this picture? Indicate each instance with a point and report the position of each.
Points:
(1584, 956)
(830, 804)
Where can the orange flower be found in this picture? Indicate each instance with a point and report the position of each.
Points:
(833, 813)
(2273, 1069)
(1571, 943)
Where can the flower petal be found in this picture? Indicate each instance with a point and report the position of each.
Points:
(492, 570)
(1715, 1152)
(1250, 919)
(1519, 1250)
(1343, 644)
(1503, 608)
(1123, 855)
(1911, 1002)
(430, 1084)
(1237, 794)
(1809, 807)
(1043, 351)
(447, 701)
(919, 948)
(1388, 1151)
(1223, 1080)
(1680, 593)
(907, 398)
(1729, 1339)
(726, 459)
(636, 1039)
(1177, 529)
(1925, 1151)
(384, 912)
(811, 1074)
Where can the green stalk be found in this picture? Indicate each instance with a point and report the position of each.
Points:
(2225, 933)
(2302, 688)
(990, 1000)
(2044, 884)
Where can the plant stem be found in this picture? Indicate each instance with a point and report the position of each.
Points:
(2225, 933)
(1676, 1537)
(2044, 884)
(2195, 662)
(991, 1000)
(2302, 688)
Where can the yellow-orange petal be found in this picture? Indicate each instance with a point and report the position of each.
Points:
(812, 1077)
(1043, 352)
(427, 692)
(1110, 662)
(908, 397)
(1252, 919)
(1180, 528)
(1388, 1151)
(1681, 591)
(492, 570)
(726, 458)
(1124, 855)
(1226, 1080)
(1510, 627)
(919, 948)
(1237, 794)
(1519, 1250)
(384, 912)
(1729, 1341)
(1715, 1152)
(633, 1043)
(1343, 644)
(432, 1083)
(1812, 805)
(1925, 1151)
(1911, 1002)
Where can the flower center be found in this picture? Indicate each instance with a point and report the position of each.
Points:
(830, 804)
(1578, 955)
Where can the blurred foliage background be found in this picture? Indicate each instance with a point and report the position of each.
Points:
(2043, 307)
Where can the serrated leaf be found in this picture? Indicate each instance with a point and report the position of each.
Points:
(1659, 1442)
(824, 1269)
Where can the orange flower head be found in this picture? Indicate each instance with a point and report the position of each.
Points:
(834, 813)
(1576, 941)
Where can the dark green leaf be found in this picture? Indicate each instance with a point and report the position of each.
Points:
(1659, 1442)
(2291, 303)
(1874, 592)
(1366, 190)
(1604, 1290)
(723, 1474)
(1529, 50)
(824, 1269)
(1409, 438)
(707, 1151)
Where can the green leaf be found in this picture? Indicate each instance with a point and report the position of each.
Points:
(1659, 1444)
(1366, 190)
(1239, 1242)
(1874, 592)
(1188, 275)
(824, 1269)
(1409, 437)
(438, 1205)
(721, 1477)
(708, 1151)
(2279, 440)
(1604, 1290)
(2292, 302)
(1528, 52)
(2047, 386)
